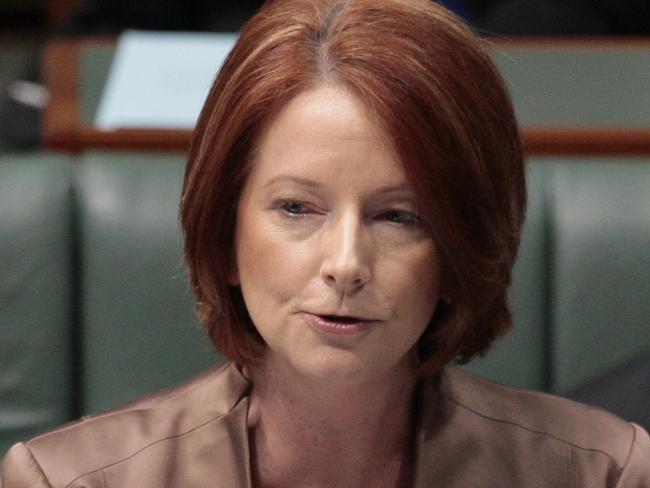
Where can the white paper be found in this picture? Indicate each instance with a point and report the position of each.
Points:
(161, 79)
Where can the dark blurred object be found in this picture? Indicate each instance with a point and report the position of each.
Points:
(624, 390)
(57, 10)
(21, 109)
(16, 15)
(92, 17)
(559, 17)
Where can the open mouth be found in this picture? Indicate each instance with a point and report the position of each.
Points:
(337, 319)
(338, 324)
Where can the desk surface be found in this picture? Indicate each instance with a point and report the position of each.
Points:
(571, 97)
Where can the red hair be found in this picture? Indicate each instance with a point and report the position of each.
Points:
(434, 91)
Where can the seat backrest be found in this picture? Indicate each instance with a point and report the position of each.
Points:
(519, 359)
(599, 266)
(36, 295)
(581, 295)
(140, 332)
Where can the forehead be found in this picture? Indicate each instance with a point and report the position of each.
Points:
(326, 133)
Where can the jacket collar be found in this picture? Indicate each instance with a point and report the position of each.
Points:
(230, 451)
(231, 459)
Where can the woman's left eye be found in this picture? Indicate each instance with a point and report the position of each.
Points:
(294, 208)
(400, 217)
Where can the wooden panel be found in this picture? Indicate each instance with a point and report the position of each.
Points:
(64, 130)
(569, 141)
(61, 127)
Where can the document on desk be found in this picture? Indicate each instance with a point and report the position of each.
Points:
(159, 80)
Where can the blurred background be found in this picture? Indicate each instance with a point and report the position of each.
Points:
(94, 303)
(25, 26)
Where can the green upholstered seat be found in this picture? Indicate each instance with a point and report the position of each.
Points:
(36, 295)
(519, 358)
(577, 86)
(599, 266)
(140, 332)
(580, 296)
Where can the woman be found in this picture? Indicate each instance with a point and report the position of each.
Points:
(352, 208)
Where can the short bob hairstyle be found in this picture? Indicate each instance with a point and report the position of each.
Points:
(433, 89)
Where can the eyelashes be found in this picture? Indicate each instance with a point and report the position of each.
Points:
(296, 209)
(401, 217)
(293, 208)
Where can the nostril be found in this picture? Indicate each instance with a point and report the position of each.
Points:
(345, 276)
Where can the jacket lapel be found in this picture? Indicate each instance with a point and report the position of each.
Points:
(218, 451)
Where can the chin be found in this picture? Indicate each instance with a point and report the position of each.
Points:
(343, 367)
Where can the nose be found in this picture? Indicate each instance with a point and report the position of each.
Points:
(346, 262)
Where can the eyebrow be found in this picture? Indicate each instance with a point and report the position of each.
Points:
(315, 184)
(292, 179)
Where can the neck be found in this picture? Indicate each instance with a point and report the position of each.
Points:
(309, 432)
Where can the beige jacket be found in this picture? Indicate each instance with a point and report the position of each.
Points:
(471, 434)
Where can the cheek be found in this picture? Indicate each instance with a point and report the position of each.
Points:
(416, 284)
(428, 280)
(268, 265)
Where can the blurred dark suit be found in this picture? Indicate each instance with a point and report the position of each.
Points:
(113, 16)
(560, 17)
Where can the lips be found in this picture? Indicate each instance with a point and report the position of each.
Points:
(340, 324)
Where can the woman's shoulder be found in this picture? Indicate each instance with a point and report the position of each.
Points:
(587, 441)
(84, 449)
(546, 414)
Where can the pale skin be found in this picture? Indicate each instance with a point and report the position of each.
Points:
(327, 229)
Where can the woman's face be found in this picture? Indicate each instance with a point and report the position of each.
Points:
(337, 273)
